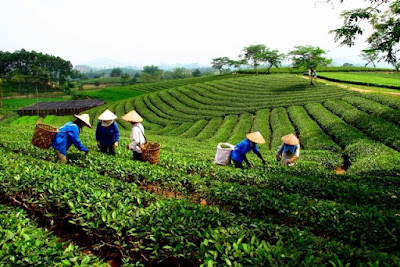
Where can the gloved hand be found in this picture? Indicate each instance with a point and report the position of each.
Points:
(278, 158)
(115, 144)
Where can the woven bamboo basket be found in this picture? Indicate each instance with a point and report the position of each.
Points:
(151, 152)
(44, 135)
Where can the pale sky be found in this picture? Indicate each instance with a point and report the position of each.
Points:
(139, 33)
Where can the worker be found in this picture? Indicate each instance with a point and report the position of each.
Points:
(289, 150)
(238, 154)
(137, 134)
(69, 134)
(107, 132)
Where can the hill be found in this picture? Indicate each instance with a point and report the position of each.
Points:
(188, 211)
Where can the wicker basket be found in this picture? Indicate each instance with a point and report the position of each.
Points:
(151, 152)
(44, 135)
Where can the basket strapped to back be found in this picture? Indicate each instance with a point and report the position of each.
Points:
(151, 152)
(44, 135)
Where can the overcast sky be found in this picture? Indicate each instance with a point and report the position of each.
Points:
(158, 32)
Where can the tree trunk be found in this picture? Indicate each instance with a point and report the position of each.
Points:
(1, 103)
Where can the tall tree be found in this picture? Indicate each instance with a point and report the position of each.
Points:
(125, 78)
(2, 83)
(309, 57)
(151, 74)
(370, 57)
(252, 54)
(272, 58)
(237, 63)
(219, 63)
(196, 73)
(384, 17)
(116, 72)
(18, 78)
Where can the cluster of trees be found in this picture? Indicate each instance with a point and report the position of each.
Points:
(308, 57)
(34, 67)
(24, 67)
(151, 74)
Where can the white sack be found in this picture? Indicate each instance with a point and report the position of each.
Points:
(223, 155)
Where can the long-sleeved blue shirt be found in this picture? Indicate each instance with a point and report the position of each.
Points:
(107, 135)
(68, 135)
(242, 149)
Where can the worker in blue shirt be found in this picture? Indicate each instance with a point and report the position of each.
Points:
(68, 135)
(238, 154)
(107, 132)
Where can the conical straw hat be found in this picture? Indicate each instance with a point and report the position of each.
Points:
(132, 116)
(256, 137)
(290, 139)
(85, 118)
(107, 115)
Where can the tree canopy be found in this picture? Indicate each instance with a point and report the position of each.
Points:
(35, 66)
(384, 17)
(309, 57)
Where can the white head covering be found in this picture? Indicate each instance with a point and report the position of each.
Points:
(85, 118)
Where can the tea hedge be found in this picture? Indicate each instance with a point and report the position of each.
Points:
(375, 127)
(23, 243)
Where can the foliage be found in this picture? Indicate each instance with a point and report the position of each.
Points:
(219, 63)
(385, 23)
(309, 57)
(35, 66)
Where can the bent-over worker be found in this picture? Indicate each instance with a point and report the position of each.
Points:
(238, 154)
(137, 134)
(107, 132)
(69, 134)
(289, 150)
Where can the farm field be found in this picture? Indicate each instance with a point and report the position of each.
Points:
(383, 79)
(187, 211)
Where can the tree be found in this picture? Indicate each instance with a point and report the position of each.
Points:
(370, 57)
(97, 83)
(151, 74)
(2, 83)
(309, 57)
(196, 73)
(253, 54)
(18, 78)
(272, 58)
(237, 63)
(116, 72)
(125, 78)
(219, 63)
(384, 17)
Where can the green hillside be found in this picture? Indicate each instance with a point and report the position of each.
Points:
(187, 211)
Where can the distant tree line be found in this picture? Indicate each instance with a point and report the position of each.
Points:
(34, 67)
(308, 57)
(148, 74)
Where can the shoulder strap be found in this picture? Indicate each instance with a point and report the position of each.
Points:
(145, 139)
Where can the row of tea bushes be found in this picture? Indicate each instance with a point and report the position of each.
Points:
(375, 127)
(374, 108)
(366, 156)
(23, 243)
(157, 231)
(311, 135)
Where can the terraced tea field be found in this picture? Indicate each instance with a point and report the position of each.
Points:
(187, 211)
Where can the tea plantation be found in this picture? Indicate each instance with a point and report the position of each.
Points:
(187, 211)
